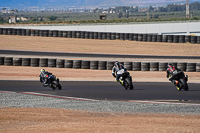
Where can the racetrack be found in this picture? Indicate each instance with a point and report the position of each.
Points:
(109, 90)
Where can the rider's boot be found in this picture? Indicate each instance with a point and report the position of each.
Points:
(121, 81)
(175, 82)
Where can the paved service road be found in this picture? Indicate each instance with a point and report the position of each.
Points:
(108, 90)
(16, 52)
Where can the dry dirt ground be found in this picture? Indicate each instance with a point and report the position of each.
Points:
(59, 120)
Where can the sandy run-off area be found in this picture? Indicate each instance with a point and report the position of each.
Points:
(45, 120)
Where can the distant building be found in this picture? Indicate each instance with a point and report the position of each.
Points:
(13, 19)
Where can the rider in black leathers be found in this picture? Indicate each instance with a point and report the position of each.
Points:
(117, 66)
(171, 72)
(45, 77)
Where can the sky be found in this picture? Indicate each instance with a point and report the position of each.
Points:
(64, 3)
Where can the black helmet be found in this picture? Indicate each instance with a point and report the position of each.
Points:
(117, 65)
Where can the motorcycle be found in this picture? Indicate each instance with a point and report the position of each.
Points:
(54, 82)
(126, 79)
(182, 80)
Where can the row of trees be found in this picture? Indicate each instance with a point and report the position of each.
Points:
(168, 8)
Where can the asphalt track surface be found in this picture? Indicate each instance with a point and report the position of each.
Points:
(101, 90)
(38, 53)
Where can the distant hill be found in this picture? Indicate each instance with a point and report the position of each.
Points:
(86, 3)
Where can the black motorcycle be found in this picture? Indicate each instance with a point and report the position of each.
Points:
(53, 81)
(126, 80)
(182, 80)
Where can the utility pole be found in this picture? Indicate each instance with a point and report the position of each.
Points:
(187, 10)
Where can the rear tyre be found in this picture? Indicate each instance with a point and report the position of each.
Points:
(183, 84)
(128, 84)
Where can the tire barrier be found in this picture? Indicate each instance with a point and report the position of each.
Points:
(65, 34)
(130, 36)
(43, 62)
(126, 36)
(91, 35)
(102, 35)
(28, 32)
(170, 38)
(198, 39)
(163, 66)
(34, 62)
(19, 32)
(99, 35)
(154, 66)
(181, 39)
(117, 36)
(73, 34)
(121, 36)
(32, 33)
(197, 67)
(1, 31)
(136, 66)
(154, 38)
(60, 33)
(181, 66)
(77, 64)
(193, 39)
(128, 65)
(102, 65)
(108, 36)
(87, 35)
(140, 37)
(188, 39)
(1, 60)
(149, 38)
(159, 38)
(96, 65)
(5, 31)
(55, 33)
(85, 64)
(68, 64)
(164, 38)
(95, 35)
(9, 31)
(175, 39)
(135, 37)
(78, 34)
(51, 62)
(17, 61)
(26, 61)
(8, 61)
(145, 66)
(23, 32)
(191, 67)
(14, 31)
(50, 33)
(60, 63)
(144, 37)
(110, 65)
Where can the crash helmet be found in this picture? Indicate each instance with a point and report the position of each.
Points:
(117, 65)
(171, 67)
(42, 70)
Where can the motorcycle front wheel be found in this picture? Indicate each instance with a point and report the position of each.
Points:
(56, 84)
(128, 84)
(183, 84)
